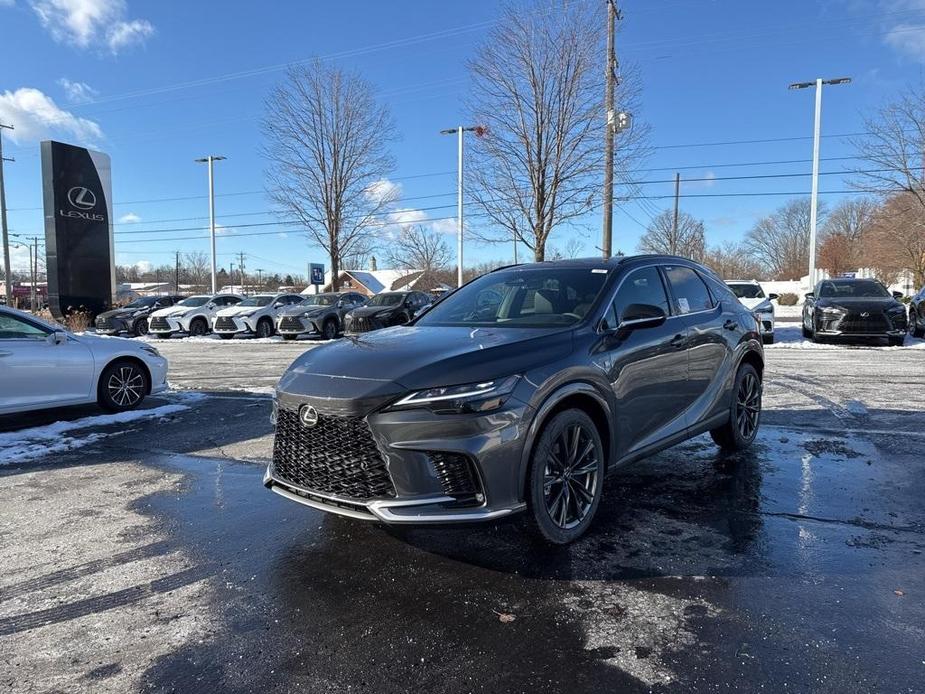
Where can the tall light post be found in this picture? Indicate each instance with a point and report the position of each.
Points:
(814, 198)
(8, 280)
(460, 131)
(210, 160)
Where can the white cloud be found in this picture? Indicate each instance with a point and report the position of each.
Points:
(905, 37)
(78, 92)
(144, 266)
(405, 216)
(35, 116)
(384, 191)
(222, 229)
(92, 23)
(445, 226)
(129, 218)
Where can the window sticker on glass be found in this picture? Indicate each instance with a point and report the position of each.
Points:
(600, 270)
(685, 307)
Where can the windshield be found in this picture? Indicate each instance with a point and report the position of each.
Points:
(256, 301)
(195, 301)
(521, 298)
(856, 289)
(747, 291)
(141, 302)
(385, 300)
(320, 300)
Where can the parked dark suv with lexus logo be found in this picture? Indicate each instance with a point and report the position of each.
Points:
(848, 309)
(519, 392)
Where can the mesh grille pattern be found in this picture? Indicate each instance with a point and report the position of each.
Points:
(336, 456)
(291, 323)
(103, 323)
(362, 325)
(159, 324)
(853, 323)
(455, 472)
(225, 323)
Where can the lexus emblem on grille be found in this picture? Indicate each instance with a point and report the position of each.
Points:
(865, 315)
(308, 416)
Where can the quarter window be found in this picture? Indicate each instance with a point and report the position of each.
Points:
(690, 293)
(642, 286)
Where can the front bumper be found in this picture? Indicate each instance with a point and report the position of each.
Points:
(423, 467)
(850, 325)
(232, 325)
(165, 325)
(296, 325)
(113, 326)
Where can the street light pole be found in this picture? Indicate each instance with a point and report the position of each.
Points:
(210, 160)
(460, 132)
(814, 196)
(8, 280)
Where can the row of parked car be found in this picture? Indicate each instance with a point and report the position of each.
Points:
(263, 315)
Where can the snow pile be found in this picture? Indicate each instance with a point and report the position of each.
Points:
(36, 442)
(791, 337)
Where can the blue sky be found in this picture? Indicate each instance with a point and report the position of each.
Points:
(158, 84)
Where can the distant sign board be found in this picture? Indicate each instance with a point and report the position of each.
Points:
(848, 275)
(77, 191)
(317, 273)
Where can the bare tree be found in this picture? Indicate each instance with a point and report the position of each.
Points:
(895, 240)
(661, 237)
(198, 267)
(780, 241)
(538, 88)
(326, 143)
(732, 261)
(572, 249)
(416, 248)
(893, 148)
(841, 238)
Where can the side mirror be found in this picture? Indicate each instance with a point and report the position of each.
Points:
(58, 337)
(897, 295)
(773, 297)
(210, 306)
(641, 316)
(809, 295)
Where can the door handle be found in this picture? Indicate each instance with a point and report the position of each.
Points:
(677, 341)
(4, 353)
(730, 325)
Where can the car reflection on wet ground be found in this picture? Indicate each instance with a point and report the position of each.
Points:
(157, 561)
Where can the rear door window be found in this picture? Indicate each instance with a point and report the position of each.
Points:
(690, 292)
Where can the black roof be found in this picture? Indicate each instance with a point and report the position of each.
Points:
(612, 262)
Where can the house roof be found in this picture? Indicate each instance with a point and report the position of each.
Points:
(376, 281)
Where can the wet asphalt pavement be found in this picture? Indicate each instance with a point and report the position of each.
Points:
(152, 559)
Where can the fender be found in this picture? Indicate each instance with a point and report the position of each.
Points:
(549, 403)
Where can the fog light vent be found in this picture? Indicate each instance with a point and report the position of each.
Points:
(456, 473)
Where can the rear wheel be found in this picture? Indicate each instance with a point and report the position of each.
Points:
(123, 385)
(744, 413)
(140, 327)
(566, 477)
(329, 329)
(198, 327)
(916, 326)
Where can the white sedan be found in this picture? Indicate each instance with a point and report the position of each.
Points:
(42, 365)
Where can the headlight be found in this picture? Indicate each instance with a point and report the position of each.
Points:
(150, 350)
(827, 311)
(765, 309)
(138, 313)
(897, 311)
(471, 397)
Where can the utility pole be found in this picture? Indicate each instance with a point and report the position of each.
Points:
(177, 282)
(610, 78)
(8, 280)
(259, 273)
(241, 270)
(677, 206)
(210, 160)
(34, 268)
(231, 276)
(814, 199)
(460, 132)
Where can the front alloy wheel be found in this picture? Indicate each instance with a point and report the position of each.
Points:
(566, 476)
(141, 327)
(123, 385)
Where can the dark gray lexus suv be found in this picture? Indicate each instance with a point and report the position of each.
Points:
(519, 391)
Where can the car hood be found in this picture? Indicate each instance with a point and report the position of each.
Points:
(303, 310)
(171, 311)
(754, 303)
(119, 313)
(240, 310)
(861, 304)
(374, 366)
(106, 343)
(367, 311)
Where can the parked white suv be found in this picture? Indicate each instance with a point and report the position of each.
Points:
(751, 295)
(193, 315)
(256, 315)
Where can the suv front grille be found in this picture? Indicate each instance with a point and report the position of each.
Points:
(854, 323)
(336, 456)
(455, 472)
(159, 324)
(225, 323)
(102, 323)
(362, 325)
(291, 324)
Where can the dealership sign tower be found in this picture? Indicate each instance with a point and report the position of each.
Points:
(77, 188)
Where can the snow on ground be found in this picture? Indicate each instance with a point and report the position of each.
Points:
(791, 337)
(243, 340)
(36, 442)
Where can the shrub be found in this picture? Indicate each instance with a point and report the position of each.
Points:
(787, 299)
(77, 321)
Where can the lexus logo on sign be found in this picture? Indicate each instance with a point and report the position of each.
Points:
(308, 416)
(81, 198)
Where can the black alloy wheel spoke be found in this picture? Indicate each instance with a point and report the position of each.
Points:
(570, 480)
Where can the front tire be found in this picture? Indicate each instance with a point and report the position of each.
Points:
(897, 341)
(289, 337)
(916, 327)
(264, 328)
(768, 339)
(740, 430)
(329, 329)
(140, 327)
(198, 327)
(566, 477)
(123, 385)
